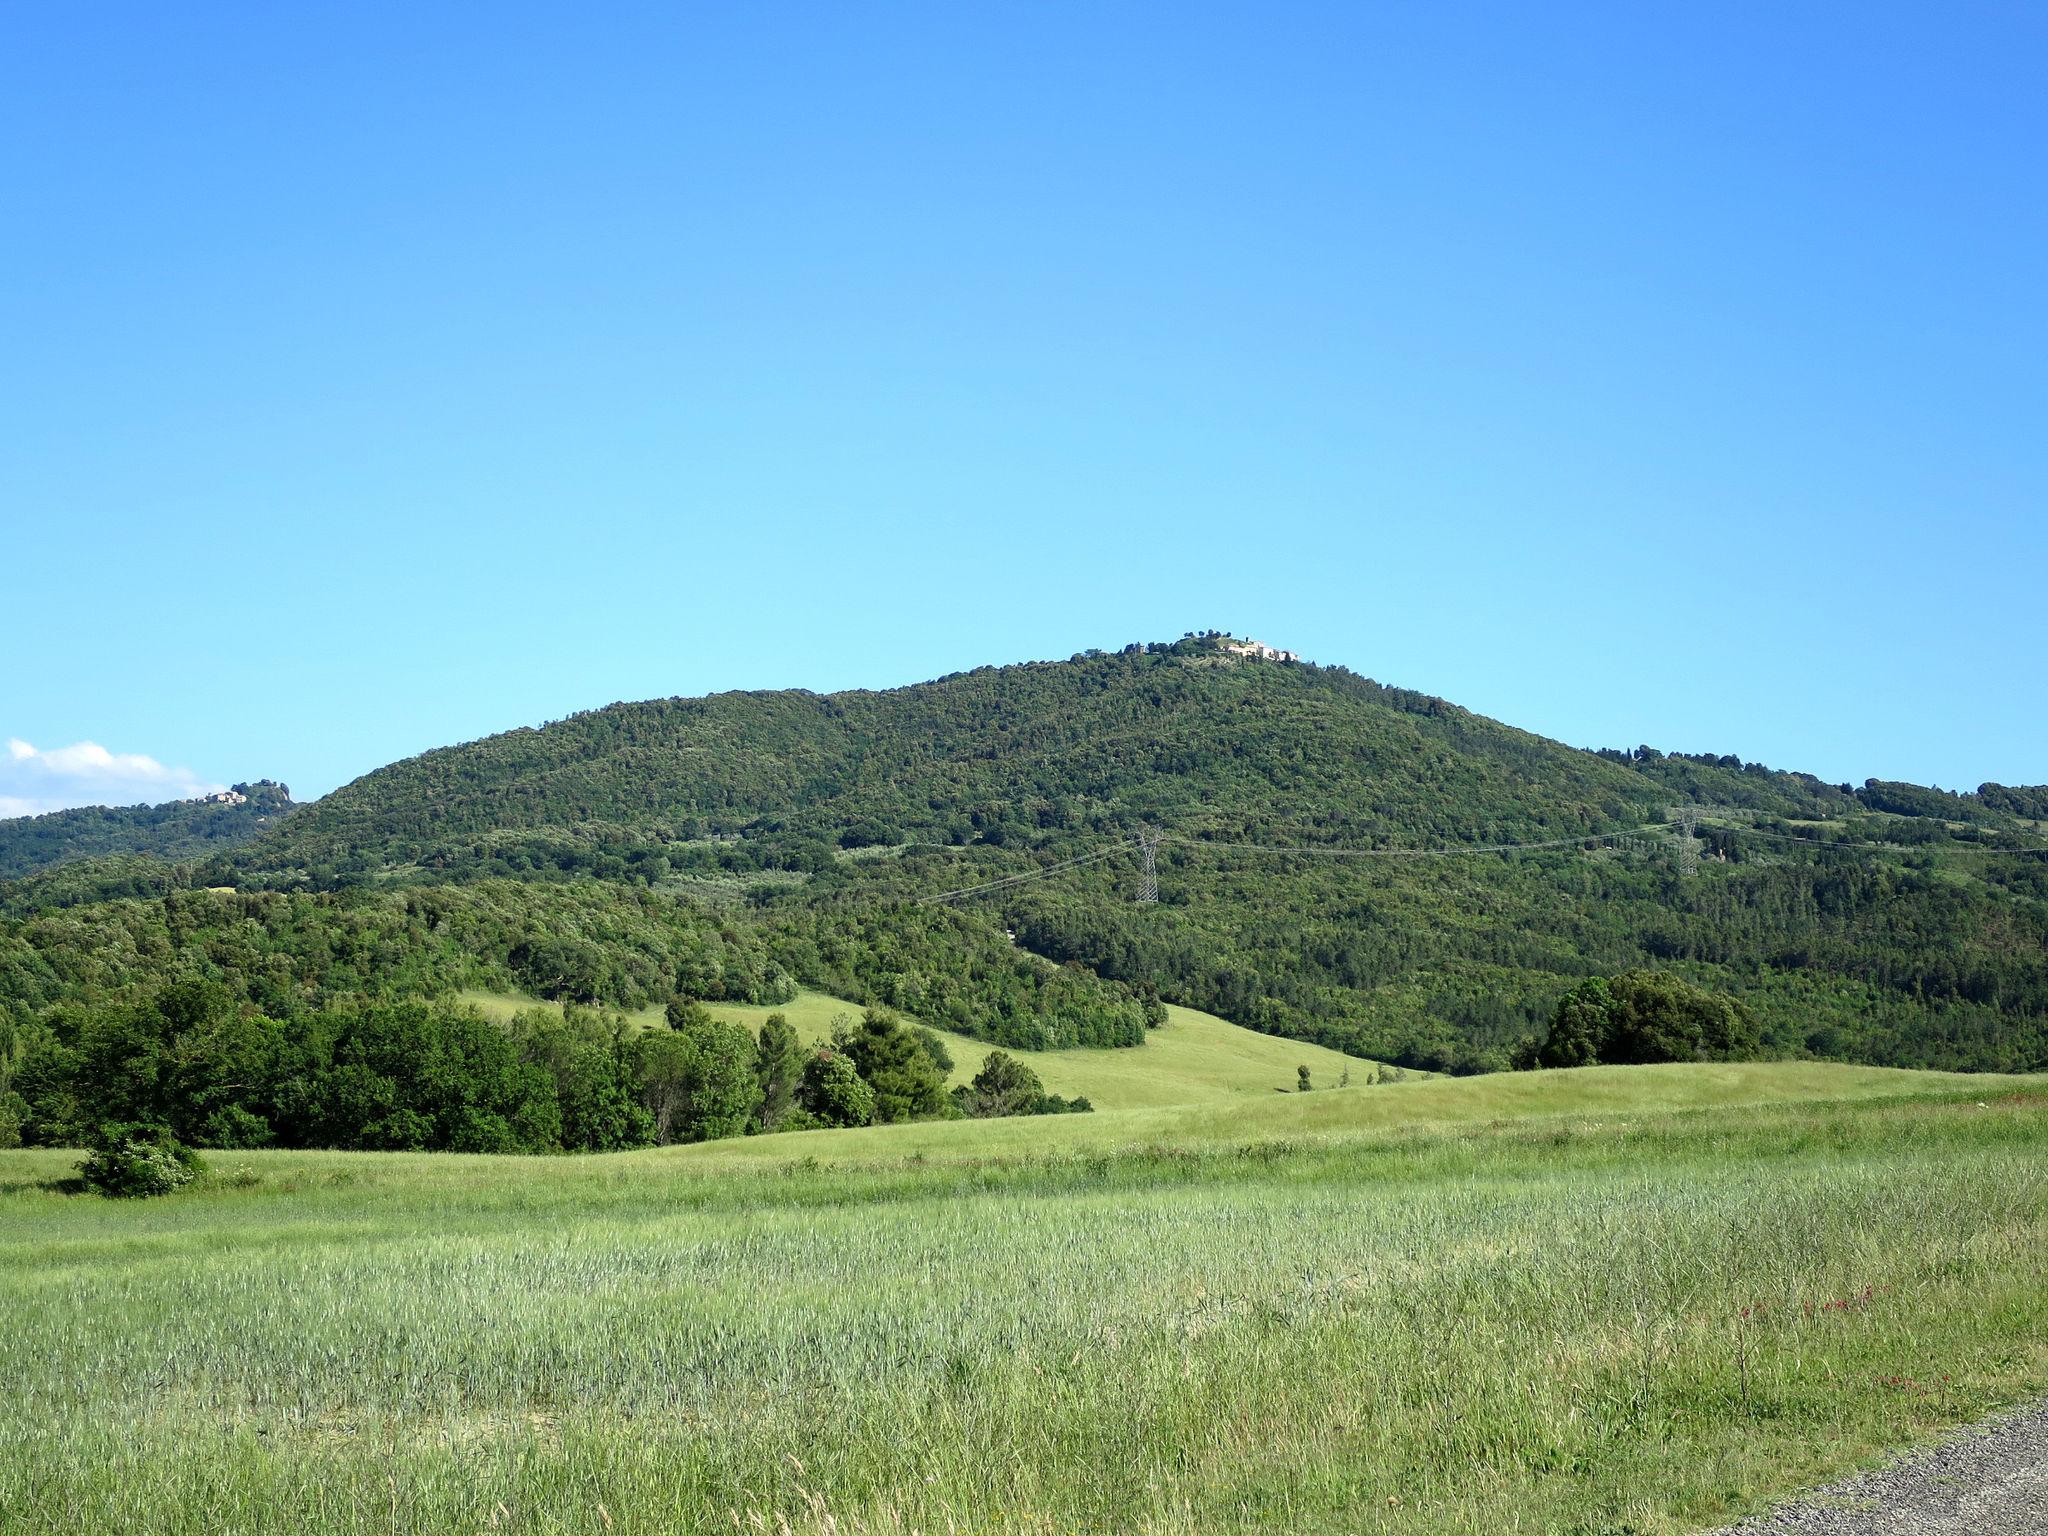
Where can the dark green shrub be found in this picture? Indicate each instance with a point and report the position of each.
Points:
(556, 967)
(403, 1130)
(935, 1047)
(1003, 1086)
(235, 1127)
(834, 1092)
(1640, 1017)
(136, 1161)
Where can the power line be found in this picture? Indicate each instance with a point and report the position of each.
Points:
(1578, 839)
(990, 886)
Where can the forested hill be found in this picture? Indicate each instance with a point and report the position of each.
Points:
(1185, 736)
(1329, 866)
(179, 829)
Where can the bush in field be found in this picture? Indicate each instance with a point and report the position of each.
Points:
(1005, 1086)
(130, 1161)
(1647, 1016)
(833, 1092)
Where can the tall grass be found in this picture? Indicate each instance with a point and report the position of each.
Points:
(1552, 1325)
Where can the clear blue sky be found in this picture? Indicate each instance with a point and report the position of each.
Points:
(379, 376)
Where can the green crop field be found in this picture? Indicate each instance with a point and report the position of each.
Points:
(1607, 1301)
(1192, 1058)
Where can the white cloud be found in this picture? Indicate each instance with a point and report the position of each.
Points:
(86, 773)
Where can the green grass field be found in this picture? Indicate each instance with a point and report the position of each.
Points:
(1191, 1058)
(1613, 1301)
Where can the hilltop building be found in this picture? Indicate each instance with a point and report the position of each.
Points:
(1261, 651)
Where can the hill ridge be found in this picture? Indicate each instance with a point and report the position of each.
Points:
(1883, 925)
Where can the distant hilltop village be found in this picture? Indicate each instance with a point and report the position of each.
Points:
(1218, 642)
(1209, 645)
(269, 790)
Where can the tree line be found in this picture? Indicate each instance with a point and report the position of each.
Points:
(292, 954)
(194, 1065)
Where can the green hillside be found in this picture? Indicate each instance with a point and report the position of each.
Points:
(178, 829)
(1315, 874)
(1361, 867)
(1416, 1107)
(1000, 756)
(1192, 1058)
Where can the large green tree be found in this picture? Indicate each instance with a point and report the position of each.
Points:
(778, 1067)
(888, 1054)
(698, 1076)
(833, 1092)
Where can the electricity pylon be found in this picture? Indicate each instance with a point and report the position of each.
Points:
(1148, 846)
(1687, 817)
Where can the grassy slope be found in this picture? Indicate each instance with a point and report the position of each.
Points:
(1564, 1308)
(1345, 1114)
(1406, 1111)
(1192, 1058)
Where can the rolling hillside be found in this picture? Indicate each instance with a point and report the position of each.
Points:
(1586, 1101)
(1366, 868)
(1316, 872)
(1003, 756)
(1193, 1058)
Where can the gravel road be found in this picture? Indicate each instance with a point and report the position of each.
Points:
(1991, 1480)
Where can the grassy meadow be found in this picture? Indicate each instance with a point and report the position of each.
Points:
(1608, 1301)
(1193, 1057)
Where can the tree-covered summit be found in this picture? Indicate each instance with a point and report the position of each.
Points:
(1336, 860)
(177, 829)
(1186, 734)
